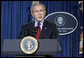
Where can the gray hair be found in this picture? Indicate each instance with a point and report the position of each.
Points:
(36, 4)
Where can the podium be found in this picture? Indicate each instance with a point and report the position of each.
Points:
(46, 47)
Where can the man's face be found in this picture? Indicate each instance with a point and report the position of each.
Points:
(38, 12)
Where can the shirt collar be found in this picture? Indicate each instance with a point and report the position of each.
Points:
(36, 23)
(41, 24)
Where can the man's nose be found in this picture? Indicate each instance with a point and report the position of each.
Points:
(39, 13)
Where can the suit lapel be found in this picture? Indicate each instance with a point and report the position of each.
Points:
(31, 28)
(44, 29)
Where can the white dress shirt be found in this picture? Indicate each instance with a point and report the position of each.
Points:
(41, 24)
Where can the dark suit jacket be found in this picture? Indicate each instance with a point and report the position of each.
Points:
(49, 30)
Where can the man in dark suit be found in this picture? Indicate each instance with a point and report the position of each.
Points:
(47, 29)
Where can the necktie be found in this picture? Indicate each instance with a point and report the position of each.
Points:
(38, 32)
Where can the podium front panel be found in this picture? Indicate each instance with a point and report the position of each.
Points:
(46, 47)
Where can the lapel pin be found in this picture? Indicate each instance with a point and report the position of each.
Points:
(45, 28)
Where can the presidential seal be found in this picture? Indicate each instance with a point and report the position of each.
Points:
(29, 45)
(60, 20)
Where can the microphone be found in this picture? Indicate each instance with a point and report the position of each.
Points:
(35, 31)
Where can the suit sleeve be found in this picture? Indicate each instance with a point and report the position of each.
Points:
(24, 32)
(55, 33)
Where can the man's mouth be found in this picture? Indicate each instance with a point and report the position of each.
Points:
(40, 17)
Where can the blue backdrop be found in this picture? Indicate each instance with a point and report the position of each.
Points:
(16, 13)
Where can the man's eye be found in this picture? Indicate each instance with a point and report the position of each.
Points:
(41, 10)
(36, 11)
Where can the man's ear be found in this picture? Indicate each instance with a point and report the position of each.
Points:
(32, 14)
(45, 12)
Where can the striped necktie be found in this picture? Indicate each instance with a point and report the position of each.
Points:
(37, 36)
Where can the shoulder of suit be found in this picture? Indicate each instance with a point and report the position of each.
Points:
(50, 23)
(29, 24)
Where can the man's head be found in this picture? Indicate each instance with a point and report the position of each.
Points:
(38, 11)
